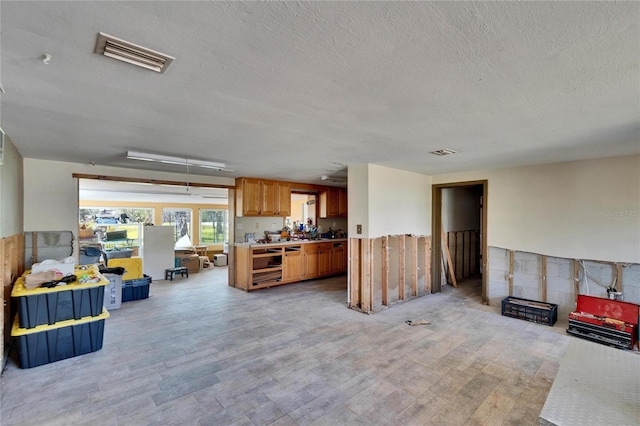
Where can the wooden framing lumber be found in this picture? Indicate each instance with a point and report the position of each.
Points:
(413, 242)
(367, 284)
(401, 268)
(385, 270)
(427, 262)
(354, 273)
(576, 278)
(543, 260)
(448, 258)
(619, 277)
(512, 255)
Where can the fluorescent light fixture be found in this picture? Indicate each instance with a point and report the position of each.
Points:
(166, 159)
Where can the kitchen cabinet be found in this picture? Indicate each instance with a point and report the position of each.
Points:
(267, 265)
(310, 262)
(292, 264)
(339, 258)
(259, 267)
(333, 202)
(325, 266)
(259, 197)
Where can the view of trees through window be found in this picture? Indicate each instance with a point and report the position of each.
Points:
(180, 219)
(214, 226)
(111, 215)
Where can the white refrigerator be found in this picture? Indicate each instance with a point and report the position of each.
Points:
(158, 252)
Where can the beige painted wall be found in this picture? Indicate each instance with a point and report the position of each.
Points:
(399, 202)
(388, 201)
(583, 209)
(51, 197)
(11, 191)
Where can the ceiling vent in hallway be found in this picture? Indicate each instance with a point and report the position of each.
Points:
(132, 53)
(444, 151)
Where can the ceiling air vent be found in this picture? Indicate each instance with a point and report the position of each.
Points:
(444, 151)
(132, 53)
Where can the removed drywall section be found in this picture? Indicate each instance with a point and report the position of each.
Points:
(530, 280)
(582, 209)
(388, 270)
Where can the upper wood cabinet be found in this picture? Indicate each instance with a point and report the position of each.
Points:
(258, 197)
(333, 202)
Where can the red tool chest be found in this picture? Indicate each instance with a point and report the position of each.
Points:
(611, 322)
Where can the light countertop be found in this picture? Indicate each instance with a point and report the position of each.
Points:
(290, 243)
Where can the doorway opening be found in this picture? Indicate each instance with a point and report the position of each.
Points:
(459, 226)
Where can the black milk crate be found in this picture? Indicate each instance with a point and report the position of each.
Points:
(530, 310)
(136, 289)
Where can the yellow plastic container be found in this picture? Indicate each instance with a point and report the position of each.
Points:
(132, 266)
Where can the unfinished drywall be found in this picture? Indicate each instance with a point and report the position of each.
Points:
(583, 209)
(556, 283)
(11, 190)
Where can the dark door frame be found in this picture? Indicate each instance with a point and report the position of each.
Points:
(436, 232)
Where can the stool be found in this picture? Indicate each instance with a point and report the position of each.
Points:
(170, 273)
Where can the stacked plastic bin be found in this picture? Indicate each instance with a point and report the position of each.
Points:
(59, 322)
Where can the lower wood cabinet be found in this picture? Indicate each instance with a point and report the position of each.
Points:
(292, 264)
(276, 264)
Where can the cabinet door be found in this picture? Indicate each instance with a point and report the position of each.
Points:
(329, 203)
(284, 199)
(342, 203)
(325, 265)
(270, 198)
(339, 260)
(292, 265)
(250, 197)
(311, 263)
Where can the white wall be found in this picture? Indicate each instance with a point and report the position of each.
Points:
(388, 201)
(11, 191)
(256, 225)
(399, 202)
(51, 194)
(358, 200)
(460, 208)
(583, 209)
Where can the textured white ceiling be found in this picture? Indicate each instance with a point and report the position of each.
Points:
(297, 90)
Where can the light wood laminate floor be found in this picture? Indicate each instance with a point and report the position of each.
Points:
(198, 352)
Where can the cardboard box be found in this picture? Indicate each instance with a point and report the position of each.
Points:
(191, 261)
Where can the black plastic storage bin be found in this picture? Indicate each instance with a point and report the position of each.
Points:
(530, 310)
(40, 306)
(136, 289)
(49, 343)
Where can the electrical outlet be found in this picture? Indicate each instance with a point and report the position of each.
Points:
(273, 225)
(334, 225)
(358, 229)
(257, 225)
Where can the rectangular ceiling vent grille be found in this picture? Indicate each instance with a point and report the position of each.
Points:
(444, 151)
(121, 50)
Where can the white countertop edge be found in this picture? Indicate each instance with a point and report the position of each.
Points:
(290, 243)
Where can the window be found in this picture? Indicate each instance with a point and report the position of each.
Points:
(180, 219)
(214, 226)
(91, 216)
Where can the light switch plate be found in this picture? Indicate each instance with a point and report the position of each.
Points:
(358, 229)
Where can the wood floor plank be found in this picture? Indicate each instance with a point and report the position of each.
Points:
(200, 352)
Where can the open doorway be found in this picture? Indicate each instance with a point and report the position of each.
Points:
(460, 235)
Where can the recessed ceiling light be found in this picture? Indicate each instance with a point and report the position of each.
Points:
(132, 53)
(444, 151)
